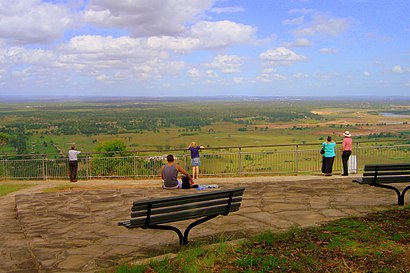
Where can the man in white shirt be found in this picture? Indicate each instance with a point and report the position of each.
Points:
(73, 164)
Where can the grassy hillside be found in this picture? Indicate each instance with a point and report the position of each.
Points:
(52, 127)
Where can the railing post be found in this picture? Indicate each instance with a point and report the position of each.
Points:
(357, 156)
(43, 168)
(186, 167)
(297, 159)
(87, 167)
(4, 168)
(134, 171)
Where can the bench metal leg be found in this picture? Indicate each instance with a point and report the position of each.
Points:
(183, 238)
(200, 221)
(404, 192)
(164, 227)
(400, 195)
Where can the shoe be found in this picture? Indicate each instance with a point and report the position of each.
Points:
(73, 180)
(344, 174)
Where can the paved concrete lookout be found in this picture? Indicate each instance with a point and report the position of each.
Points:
(76, 230)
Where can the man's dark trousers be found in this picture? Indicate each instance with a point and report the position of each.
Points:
(345, 158)
(73, 170)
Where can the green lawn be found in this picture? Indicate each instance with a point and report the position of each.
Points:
(6, 188)
(379, 242)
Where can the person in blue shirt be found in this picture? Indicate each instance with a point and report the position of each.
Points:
(195, 162)
(329, 156)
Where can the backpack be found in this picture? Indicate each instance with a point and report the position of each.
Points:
(185, 182)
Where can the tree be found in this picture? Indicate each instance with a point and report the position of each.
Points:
(115, 147)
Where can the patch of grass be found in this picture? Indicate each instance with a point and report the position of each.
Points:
(63, 187)
(379, 242)
(6, 188)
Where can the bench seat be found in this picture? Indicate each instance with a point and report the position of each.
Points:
(154, 213)
(383, 175)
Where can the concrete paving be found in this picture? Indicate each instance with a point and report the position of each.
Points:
(76, 230)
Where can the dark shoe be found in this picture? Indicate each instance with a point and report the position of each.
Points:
(73, 180)
(344, 174)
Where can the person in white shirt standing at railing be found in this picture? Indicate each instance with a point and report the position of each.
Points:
(73, 163)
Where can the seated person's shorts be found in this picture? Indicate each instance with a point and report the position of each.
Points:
(179, 186)
(195, 162)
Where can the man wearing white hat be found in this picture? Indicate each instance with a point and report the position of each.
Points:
(346, 151)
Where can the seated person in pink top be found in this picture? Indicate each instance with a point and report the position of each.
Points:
(169, 174)
(346, 151)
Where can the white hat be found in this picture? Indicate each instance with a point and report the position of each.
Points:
(347, 134)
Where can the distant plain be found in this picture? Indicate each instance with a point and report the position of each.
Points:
(50, 127)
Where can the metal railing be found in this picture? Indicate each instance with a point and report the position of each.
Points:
(221, 161)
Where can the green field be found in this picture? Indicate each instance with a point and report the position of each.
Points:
(51, 127)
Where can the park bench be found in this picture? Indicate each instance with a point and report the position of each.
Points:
(155, 213)
(382, 175)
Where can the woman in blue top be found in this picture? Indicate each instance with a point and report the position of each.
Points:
(195, 159)
(328, 156)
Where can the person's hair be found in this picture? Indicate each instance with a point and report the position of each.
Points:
(72, 147)
(170, 158)
(193, 144)
(329, 138)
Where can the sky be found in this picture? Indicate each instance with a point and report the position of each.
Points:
(159, 48)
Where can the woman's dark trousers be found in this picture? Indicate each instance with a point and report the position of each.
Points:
(327, 164)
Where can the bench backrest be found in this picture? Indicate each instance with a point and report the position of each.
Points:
(171, 209)
(386, 173)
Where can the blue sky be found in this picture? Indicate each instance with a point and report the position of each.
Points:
(205, 47)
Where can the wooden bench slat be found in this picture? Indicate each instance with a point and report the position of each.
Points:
(189, 206)
(387, 173)
(381, 167)
(184, 199)
(386, 179)
(185, 215)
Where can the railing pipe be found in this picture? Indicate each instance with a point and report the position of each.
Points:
(297, 159)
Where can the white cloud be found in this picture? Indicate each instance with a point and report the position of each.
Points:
(397, 69)
(194, 73)
(329, 51)
(211, 74)
(295, 21)
(222, 33)
(238, 80)
(281, 56)
(206, 35)
(226, 63)
(300, 75)
(264, 78)
(267, 78)
(300, 42)
(324, 24)
(103, 78)
(19, 55)
(146, 18)
(227, 10)
(32, 21)
(366, 73)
